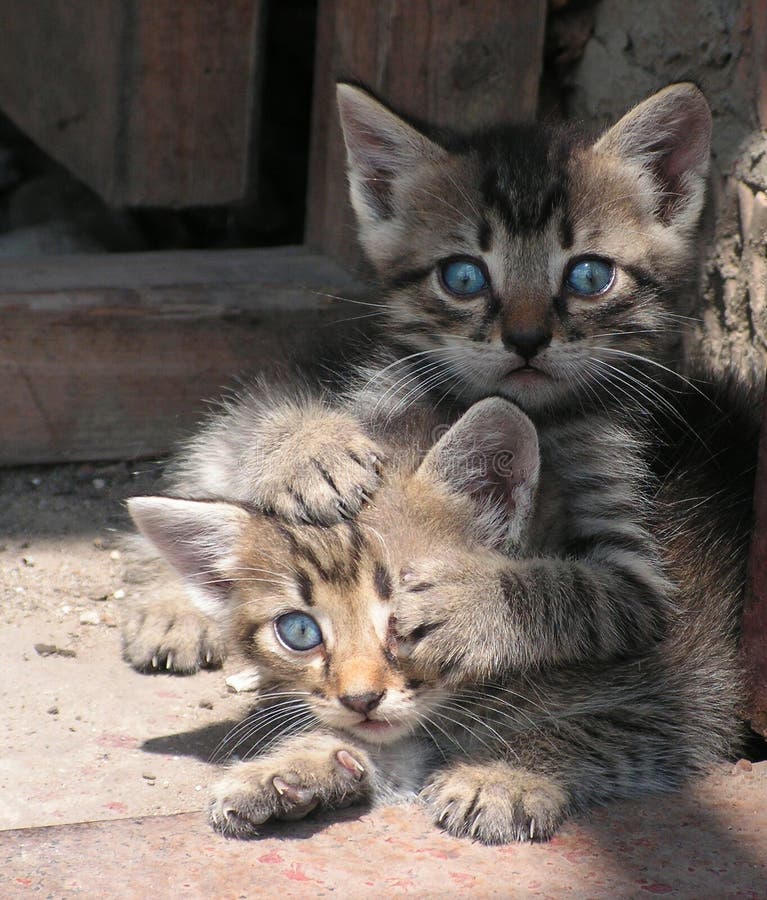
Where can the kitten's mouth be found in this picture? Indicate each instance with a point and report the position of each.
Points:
(527, 373)
(374, 726)
(378, 731)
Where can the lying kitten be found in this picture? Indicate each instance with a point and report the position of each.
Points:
(315, 608)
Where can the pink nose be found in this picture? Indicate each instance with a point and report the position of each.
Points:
(362, 703)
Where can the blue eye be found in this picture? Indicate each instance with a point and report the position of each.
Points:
(297, 631)
(463, 277)
(590, 276)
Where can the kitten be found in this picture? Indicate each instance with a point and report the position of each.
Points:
(360, 718)
(533, 263)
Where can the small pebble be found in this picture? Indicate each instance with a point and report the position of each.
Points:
(115, 554)
(36, 481)
(98, 543)
(147, 776)
(119, 594)
(247, 680)
(205, 704)
(53, 650)
(99, 483)
(28, 561)
(52, 710)
(90, 617)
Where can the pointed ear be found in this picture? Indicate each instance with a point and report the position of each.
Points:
(669, 136)
(381, 148)
(199, 539)
(490, 454)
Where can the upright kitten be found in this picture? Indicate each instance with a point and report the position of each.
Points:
(360, 717)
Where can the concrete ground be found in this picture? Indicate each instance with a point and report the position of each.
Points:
(103, 771)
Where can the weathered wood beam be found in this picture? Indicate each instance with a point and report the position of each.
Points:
(151, 104)
(113, 357)
(454, 64)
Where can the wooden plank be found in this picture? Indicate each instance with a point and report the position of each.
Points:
(148, 103)
(113, 357)
(453, 63)
(754, 624)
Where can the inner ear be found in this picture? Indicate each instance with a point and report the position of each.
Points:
(199, 539)
(669, 135)
(490, 455)
(380, 147)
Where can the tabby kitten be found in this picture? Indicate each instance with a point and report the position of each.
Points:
(360, 718)
(536, 264)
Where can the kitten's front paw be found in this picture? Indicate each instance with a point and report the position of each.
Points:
(322, 474)
(495, 803)
(439, 603)
(169, 634)
(288, 788)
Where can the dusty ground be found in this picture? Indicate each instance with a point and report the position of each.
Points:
(85, 737)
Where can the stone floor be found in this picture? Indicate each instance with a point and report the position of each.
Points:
(103, 771)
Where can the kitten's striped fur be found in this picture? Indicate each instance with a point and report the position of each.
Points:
(614, 630)
(364, 718)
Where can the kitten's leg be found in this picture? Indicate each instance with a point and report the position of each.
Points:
(167, 633)
(527, 612)
(576, 738)
(299, 458)
(301, 774)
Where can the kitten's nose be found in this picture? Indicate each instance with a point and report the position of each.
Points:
(362, 703)
(527, 341)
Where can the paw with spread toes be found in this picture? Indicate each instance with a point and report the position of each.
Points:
(495, 803)
(287, 786)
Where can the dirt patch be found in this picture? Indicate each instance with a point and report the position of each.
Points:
(86, 737)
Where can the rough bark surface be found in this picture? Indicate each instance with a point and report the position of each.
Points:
(635, 49)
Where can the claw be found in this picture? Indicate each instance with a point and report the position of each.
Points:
(350, 764)
(154, 662)
(343, 509)
(532, 829)
(169, 662)
(292, 792)
(279, 785)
